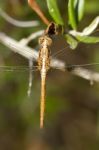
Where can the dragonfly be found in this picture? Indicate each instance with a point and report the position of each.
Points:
(44, 64)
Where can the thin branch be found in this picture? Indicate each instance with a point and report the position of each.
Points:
(32, 54)
(33, 4)
(30, 78)
(17, 47)
(31, 37)
(23, 24)
(86, 74)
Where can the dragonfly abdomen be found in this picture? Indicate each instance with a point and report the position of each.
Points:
(43, 66)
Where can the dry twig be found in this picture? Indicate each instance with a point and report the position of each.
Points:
(23, 24)
(31, 37)
(33, 4)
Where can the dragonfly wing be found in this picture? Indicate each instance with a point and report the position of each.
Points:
(70, 67)
(18, 68)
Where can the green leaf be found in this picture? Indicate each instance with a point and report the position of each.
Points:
(54, 11)
(71, 41)
(75, 12)
(71, 14)
(80, 9)
(88, 39)
(88, 30)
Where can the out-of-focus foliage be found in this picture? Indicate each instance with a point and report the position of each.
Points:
(71, 119)
(75, 12)
(54, 11)
(84, 36)
(71, 41)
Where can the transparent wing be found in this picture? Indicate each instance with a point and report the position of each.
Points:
(70, 67)
(18, 68)
(29, 69)
(82, 65)
(35, 68)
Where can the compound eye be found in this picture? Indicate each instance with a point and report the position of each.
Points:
(41, 40)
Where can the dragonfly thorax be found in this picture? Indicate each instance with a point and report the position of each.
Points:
(44, 53)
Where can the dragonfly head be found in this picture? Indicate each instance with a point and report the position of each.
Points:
(45, 40)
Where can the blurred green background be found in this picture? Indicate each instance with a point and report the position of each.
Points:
(72, 116)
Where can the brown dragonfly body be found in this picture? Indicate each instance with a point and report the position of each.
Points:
(43, 65)
(45, 42)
